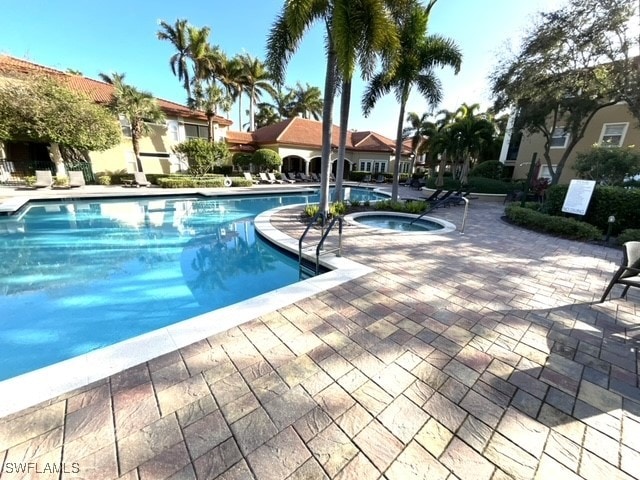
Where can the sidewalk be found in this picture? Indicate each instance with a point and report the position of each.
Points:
(475, 356)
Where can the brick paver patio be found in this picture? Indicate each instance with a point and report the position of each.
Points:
(475, 356)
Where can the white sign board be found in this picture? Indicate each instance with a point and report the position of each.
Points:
(578, 196)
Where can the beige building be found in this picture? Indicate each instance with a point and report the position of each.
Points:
(613, 125)
(297, 140)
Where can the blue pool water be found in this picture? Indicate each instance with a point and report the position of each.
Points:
(402, 224)
(77, 276)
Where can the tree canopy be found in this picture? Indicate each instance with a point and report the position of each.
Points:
(569, 66)
(608, 165)
(39, 109)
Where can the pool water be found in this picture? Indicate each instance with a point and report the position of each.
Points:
(78, 276)
(390, 222)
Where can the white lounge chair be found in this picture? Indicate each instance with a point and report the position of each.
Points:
(44, 179)
(76, 179)
(274, 179)
(248, 176)
(265, 179)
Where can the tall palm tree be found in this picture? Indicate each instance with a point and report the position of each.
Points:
(178, 36)
(136, 106)
(231, 75)
(201, 54)
(293, 21)
(362, 29)
(306, 101)
(419, 130)
(412, 65)
(284, 104)
(256, 79)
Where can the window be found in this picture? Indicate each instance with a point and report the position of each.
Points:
(613, 134)
(196, 131)
(365, 166)
(544, 172)
(380, 167)
(560, 138)
(172, 128)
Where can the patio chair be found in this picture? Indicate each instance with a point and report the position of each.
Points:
(314, 177)
(433, 196)
(76, 179)
(265, 179)
(292, 177)
(44, 179)
(305, 178)
(380, 179)
(273, 178)
(249, 177)
(366, 179)
(416, 184)
(629, 272)
(140, 180)
(332, 178)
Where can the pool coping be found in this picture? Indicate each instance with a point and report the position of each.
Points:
(32, 388)
(352, 219)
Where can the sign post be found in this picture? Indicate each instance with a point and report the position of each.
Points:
(578, 196)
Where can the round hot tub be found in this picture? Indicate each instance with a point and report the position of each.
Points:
(400, 222)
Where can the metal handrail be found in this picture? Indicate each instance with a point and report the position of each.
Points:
(324, 236)
(436, 204)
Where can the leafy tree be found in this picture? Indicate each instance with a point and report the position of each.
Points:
(608, 165)
(305, 101)
(257, 79)
(411, 65)
(489, 169)
(570, 65)
(42, 110)
(242, 160)
(136, 106)
(203, 155)
(266, 159)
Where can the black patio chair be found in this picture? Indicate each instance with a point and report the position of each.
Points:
(433, 196)
(629, 272)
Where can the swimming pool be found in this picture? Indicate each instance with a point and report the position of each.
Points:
(78, 276)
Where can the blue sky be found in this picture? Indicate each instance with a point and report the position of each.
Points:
(120, 36)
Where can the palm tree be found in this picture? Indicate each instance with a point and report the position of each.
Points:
(256, 79)
(286, 33)
(472, 133)
(284, 104)
(306, 101)
(231, 76)
(179, 38)
(208, 99)
(362, 30)
(136, 106)
(419, 131)
(412, 65)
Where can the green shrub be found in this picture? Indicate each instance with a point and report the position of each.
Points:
(491, 169)
(185, 181)
(622, 203)
(61, 181)
(561, 226)
(358, 175)
(104, 180)
(202, 154)
(338, 208)
(266, 159)
(629, 235)
(242, 160)
(115, 176)
(30, 181)
(478, 185)
(311, 210)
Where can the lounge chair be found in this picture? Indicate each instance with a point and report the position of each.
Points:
(433, 196)
(292, 177)
(140, 180)
(331, 177)
(416, 184)
(249, 177)
(314, 177)
(366, 179)
(265, 179)
(76, 179)
(44, 179)
(304, 177)
(629, 272)
(380, 179)
(273, 178)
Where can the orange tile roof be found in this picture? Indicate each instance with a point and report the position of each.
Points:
(99, 92)
(308, 133)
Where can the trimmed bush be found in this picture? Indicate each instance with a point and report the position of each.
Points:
(623, 203)
(490, 169)
(479, 185)
(560, 226)
(104, 180)
(629, 235)
(266, 159)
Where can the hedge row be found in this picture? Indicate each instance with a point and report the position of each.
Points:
(561, 226)
(620, 202)
(200, 182)
(479, 185)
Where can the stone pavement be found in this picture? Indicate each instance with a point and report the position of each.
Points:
(475, 356)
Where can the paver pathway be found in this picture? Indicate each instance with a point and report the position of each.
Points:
(475, 356)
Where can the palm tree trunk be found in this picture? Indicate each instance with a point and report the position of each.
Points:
(443, 165)
(240, 112)
(135, 143)
(252, 123)
(396, 164)
(345, 101)
(327, 124)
